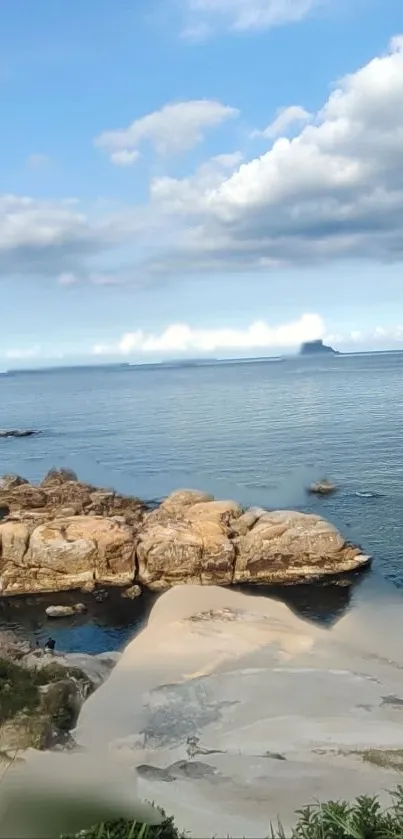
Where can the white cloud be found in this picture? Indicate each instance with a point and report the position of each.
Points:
(183, 339)
(285, 118)
(177, 194)
(242, 15)
(125, 157)
(334, 190)
(55, 239)
(175, 128)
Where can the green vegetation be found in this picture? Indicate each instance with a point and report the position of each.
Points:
(39, 706)
(364, 819)
(122, 829)
(19, 690)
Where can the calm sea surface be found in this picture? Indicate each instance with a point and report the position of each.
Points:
(258, 432)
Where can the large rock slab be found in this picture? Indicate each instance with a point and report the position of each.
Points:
(66, 554)
(188, 542)
(289, 547)
(236, 712)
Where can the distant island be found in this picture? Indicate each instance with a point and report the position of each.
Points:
(317, 348)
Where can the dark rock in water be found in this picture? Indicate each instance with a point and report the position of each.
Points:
(19, 433)
(322, 488)
(317, 348)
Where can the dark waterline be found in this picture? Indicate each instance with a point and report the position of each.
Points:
(110, 624)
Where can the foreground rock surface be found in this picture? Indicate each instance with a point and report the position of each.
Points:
(65, 535)
(235, 711)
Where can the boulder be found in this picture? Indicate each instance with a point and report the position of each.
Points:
(8, 482)
(56, 477)
(289, 547)
(132, 593)
(191, 545)
(322, 488)
(175, 506)
(65, 611)
(65, 554)
(222, 512)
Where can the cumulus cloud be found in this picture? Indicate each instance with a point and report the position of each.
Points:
(180, 338)
(284, 119)
(125, 157)
(334, 190)
(56, 239)
(174, 128)
(44, 237)
(242, 15)
(180, 194)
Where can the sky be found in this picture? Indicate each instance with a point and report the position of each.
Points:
(184, 178)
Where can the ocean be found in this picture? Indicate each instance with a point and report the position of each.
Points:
(256, 431)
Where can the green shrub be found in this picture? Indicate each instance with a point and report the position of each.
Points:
(18, 690)
(364, 819)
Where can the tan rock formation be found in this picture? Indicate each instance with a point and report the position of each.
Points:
(66, 535)
(65, 554)
(288, 547)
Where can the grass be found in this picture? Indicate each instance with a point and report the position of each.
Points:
(363, 819)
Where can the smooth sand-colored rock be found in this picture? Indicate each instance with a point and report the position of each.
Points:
(237, 712)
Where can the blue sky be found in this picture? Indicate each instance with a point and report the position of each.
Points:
(195, 177)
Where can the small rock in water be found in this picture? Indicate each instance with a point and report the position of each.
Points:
(100, 595)
(132, 593)
(65, 611)
(322, 488)
(16, 432)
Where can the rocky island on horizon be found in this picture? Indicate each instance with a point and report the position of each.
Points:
(317, 348)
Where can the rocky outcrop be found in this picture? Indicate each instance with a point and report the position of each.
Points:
(41, 695)
(289, 547)
(66, 553)
(66, 535)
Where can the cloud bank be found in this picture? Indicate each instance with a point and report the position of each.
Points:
(180, 338)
